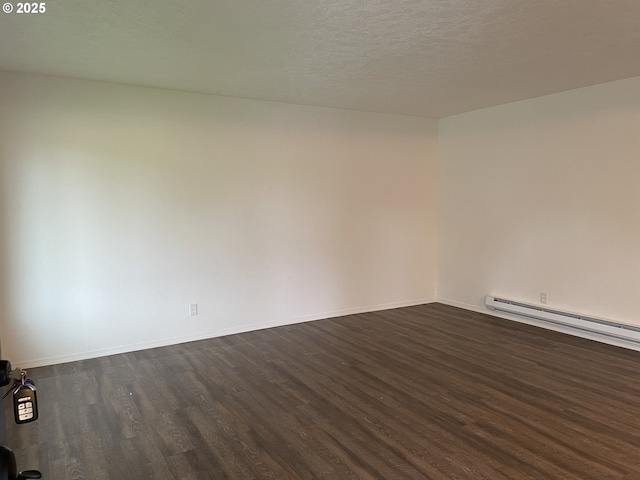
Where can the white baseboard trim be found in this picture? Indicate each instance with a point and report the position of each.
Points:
(133, 347)
(618, 342)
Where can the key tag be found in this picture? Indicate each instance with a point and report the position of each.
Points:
(25, 403)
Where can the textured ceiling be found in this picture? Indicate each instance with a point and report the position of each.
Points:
(420, 57)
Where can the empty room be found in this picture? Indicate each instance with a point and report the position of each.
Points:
(320, 240)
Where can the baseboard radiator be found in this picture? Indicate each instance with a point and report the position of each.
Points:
(576, 321)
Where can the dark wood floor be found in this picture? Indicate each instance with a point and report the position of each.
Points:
(428, 392)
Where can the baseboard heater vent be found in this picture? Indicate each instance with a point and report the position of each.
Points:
(584, 323)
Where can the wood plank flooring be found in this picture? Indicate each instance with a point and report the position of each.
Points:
(426, 392)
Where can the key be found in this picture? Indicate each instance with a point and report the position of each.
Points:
(25, 404)
(19, 377)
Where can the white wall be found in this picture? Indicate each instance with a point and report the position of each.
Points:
(544, 196)
(120, 205)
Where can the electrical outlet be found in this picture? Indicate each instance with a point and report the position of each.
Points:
(543, 298)
(193, 309)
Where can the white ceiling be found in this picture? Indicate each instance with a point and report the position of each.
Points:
(419, 57)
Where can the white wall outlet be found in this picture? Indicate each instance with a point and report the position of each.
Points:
(543, 298)
(193, 309)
